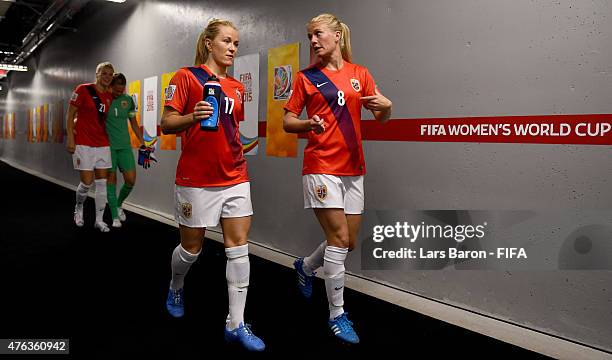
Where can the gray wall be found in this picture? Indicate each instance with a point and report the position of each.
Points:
(440, 58)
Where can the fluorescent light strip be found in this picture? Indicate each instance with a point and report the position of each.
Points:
(12, 67)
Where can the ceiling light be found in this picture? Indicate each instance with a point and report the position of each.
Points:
(33, 48)
(12, 67)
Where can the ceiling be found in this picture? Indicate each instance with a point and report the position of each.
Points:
(17, 18)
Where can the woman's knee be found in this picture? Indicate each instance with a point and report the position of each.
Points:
(192, 239)
(129, 178)
(339, 238)
(193, 246)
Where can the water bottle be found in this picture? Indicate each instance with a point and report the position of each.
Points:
(212, 95)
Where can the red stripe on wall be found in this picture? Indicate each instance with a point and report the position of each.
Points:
(588, 129)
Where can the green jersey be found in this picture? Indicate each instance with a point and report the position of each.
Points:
(120, 110)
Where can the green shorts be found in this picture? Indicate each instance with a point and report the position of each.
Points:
(122, 158)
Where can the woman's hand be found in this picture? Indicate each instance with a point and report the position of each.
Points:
(202, 111)
(376, 102)
(317, 124)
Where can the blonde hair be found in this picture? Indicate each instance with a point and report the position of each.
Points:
(210, 32)
(334, 24)
(103, 65)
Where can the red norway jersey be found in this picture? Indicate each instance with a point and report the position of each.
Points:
(208, 158)
(334, 97)
(90, 130)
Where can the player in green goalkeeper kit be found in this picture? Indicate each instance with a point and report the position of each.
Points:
(122, 109)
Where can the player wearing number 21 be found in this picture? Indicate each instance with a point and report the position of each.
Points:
(333, 90)
(211, 183)
(87, 141)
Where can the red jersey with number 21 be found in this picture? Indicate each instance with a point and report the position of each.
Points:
(209, 158)
(90, 130)
(334, 97)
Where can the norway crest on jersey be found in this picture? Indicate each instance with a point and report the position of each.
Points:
(355, 84)
(239, 96)
(321, 191)
(186, 210)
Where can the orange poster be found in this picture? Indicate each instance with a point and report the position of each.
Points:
(168, 142)
(39, 121)
(12, 126)
(283, 64)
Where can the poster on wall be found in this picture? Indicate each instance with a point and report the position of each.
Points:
(168, 141)
(134, 91)
(50, 119)
(29, 124)
(150, 112)
(283, 64)
(35, 114)
(45, 122)
(6, 130)
(246, 70)
(12, 126)
(40, 136)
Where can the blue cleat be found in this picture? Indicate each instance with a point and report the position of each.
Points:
(174, 303)
(243, 335)
(304, 281)
(342, 328)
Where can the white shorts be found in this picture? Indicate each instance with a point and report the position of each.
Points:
(203, 207)
(334, 192)
(91, 157)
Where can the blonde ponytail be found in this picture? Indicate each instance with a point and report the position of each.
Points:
(345, 43)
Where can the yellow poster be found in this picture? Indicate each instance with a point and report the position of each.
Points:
(283, 65)
(134, 91)
(168, 142)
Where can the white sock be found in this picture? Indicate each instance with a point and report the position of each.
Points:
(315, 260)
(333, 267)
(100, 199)
(237, 273)
(180, 264)
(81, 194)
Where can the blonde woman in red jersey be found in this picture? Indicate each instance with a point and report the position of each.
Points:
(87, 141)
(333, 90)
(212, 184)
